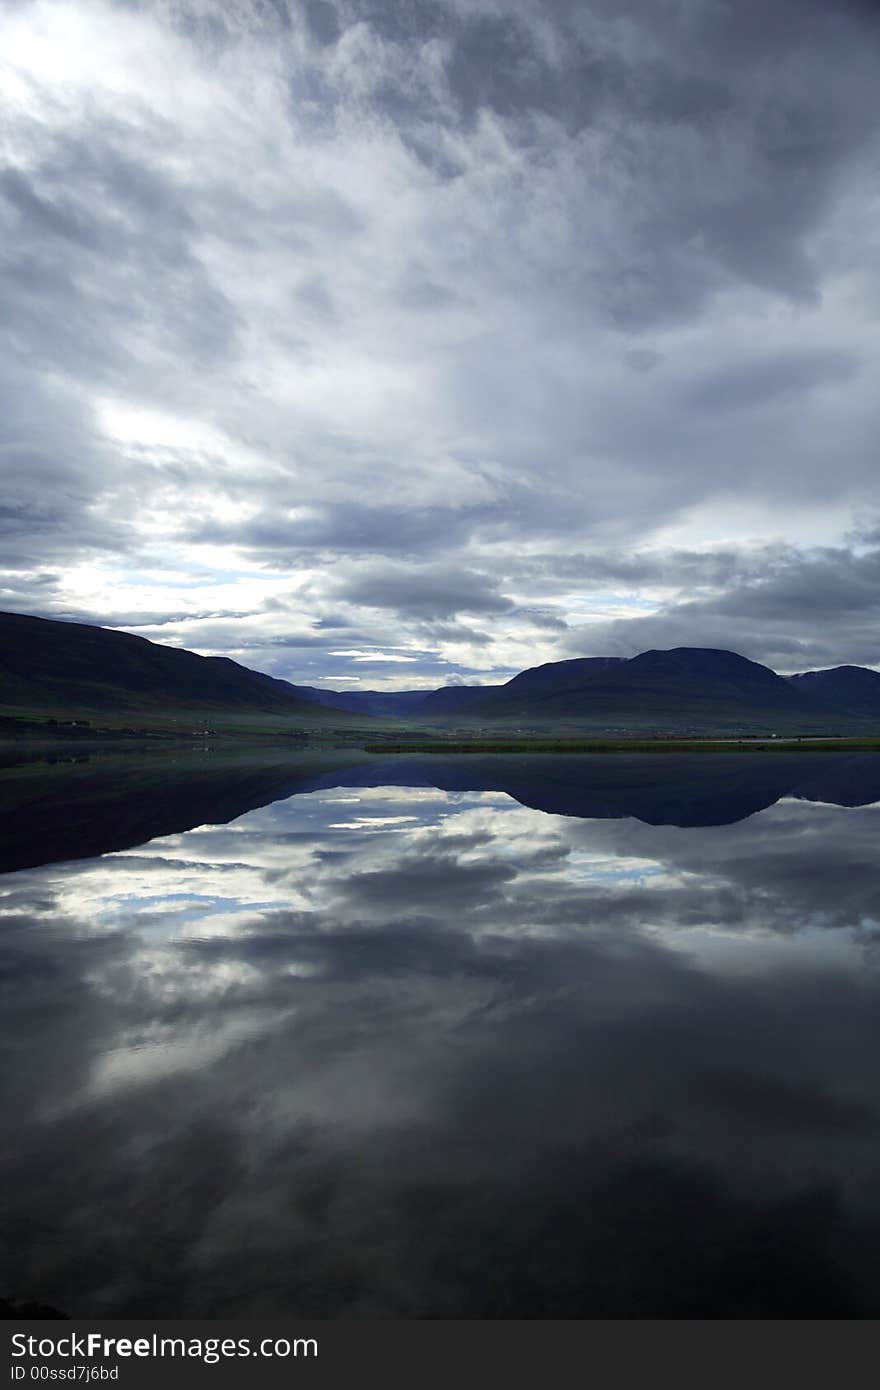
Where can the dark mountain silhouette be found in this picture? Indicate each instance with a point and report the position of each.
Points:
(70, 669)
(851, 690)
(696, 687)
(394, 703)
(89, 806)
(552, 677)
(48, 665)
(450, 699)
(687, 789)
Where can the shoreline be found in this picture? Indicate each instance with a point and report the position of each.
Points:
(816, 744)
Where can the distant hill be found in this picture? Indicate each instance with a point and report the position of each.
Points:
(853, 690)
(369, 702)
(696, 688)
(687, 689)
(398, 704)
(70, 668)
(461, 699)
(554, 677)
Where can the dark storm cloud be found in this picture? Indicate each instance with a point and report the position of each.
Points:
(54, 470)
(812, 608)
(635, 569)
(353, 527)
(426, 592)
(783, 870)
(695, 70)
(770, 1104)
(323, 20)
(454, 632)
(95, 270)
(111, 240)
(759, 381)
(543, 618)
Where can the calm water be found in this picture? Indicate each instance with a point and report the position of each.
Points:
(483, 1037)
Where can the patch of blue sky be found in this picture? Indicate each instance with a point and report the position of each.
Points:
(183, 906)
(195, 577)
(601, 600)
(613, 870)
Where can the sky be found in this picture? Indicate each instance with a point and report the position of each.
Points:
(394, 343)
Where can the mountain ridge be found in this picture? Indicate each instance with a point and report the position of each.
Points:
(49, 665)
(854, 688)
(706, 680)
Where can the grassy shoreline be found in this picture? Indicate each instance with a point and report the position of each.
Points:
(219, 729)
(629, 745)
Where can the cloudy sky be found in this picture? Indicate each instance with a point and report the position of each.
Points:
(393, 342)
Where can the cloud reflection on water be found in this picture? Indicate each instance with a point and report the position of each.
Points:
(406, 1053)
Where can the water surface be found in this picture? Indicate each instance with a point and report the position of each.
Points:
(481, 1037)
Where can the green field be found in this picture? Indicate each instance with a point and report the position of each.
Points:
(629, 745)
(177, 723)
(181, 725)
(76, 683)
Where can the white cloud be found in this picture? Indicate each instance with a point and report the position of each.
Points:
(297, 307)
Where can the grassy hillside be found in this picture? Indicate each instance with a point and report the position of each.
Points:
(688, 689)
(74, 672)
(853, 690)
(73, 679)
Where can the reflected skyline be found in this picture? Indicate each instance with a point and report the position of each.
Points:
(400, 1051)
(88, 805)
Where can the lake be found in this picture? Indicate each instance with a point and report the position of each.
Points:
(482, 1036)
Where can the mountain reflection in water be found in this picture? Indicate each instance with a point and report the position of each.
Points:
(478, 1036)
(86, 806)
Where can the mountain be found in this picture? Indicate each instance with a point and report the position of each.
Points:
(461, 699)
(395, 703)
(554, 677)
(452, 700)
(853, 690)
(74, 669)
(688, 687)
(449, 699)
